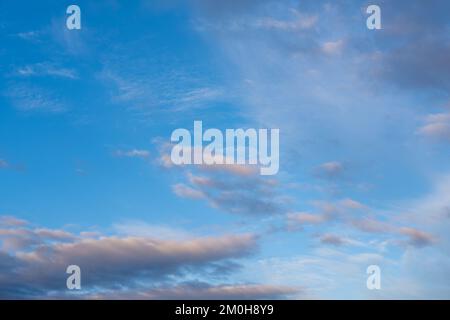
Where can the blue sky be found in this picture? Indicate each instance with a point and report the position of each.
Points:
(85, 123)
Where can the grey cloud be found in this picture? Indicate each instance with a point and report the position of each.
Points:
(199, 290)
(112, 259)
(297, 220)
(415, 50)
(332, 239)
(423, 63)
(35, 260)
(430, 16)
(232, 188)
(240, 194)
(330, 170)
(351, 213)
(13, 238)
(243, 202)
(417, 238)
(326, 213)
(11, 221)
(371, 225)
(3, 164)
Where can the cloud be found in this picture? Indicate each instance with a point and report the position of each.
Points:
(227, 8)
(242, 170)
(184, 191)
(144, 93)
(333, 47)
(235, 188)
(372, 225)
(333, 240)
(143, 229)
(283, 61)
(11, 221)
(14, 236)
(50, 234)
(7, 165)
(73, 43)
(330, 170)
(357, 220)
(352, 204)
(46, 69)
(134, 153)
(417, 238)
(340, 211)
(32, 98)
(117, 257)
(419, 60)
(36, 260)
(426, 259)
(422, 63)
(324, 273)
(145, 83)
(437, 127)
(307, 218)
(244, 203)
(236, 169)
(239, 194)
(199, 290)
(29, 35)
(3, 164)
(301, 23)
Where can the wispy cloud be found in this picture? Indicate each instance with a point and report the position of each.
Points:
(32, 98)
(46, 69)
(149, 85)
(29, 35)
(133, 153)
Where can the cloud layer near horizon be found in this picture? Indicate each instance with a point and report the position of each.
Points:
(34, 260)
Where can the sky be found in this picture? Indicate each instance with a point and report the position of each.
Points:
(86, 179)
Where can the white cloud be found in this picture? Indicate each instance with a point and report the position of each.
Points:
(306, 218)
(437, 126)
(330, 169)
(185, 191)
(302, 23)
(32, 98)
(46, 69)
(333, 47)
(134, 153)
